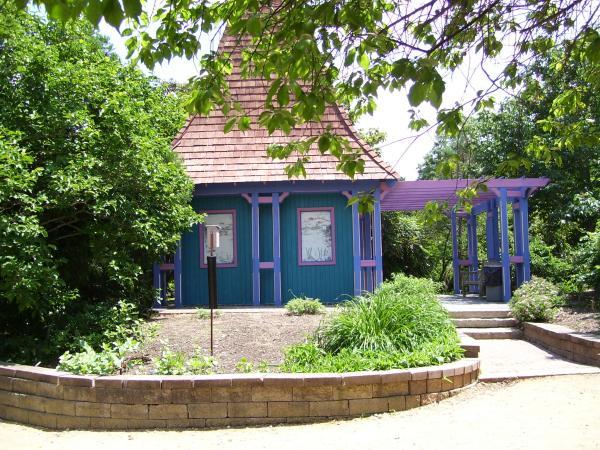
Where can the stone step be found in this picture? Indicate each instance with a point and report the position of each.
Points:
(469, 345)
(464, 313)
(493, 333)
(495, 322)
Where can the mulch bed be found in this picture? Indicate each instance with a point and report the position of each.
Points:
(581, 314)
(256, 336)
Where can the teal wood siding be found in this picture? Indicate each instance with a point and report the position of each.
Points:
(234, 284)
(330, 283)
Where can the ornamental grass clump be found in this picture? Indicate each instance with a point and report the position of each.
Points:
(303, 305)
(536, 301)
(401, 325)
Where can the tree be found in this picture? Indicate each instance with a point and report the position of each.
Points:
(346, 51)
(374, 137)
(90, 192)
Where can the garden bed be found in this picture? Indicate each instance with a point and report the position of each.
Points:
(259, 337)
(580, 315)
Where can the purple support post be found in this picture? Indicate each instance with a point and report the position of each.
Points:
(505, 255)
(156, 285)
(518, 235)
(177, 270)
(524, 208)
(367, 250)
(276, 251)
(473, 249)
(255, 252)
(455, 265)
(377, 238)
(356, 249)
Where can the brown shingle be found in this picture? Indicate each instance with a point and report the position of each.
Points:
(212, 156)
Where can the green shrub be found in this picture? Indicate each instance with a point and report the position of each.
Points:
(401, 325)
(304, 305)
(536, 301)
(175, 363)
(204, 314)
(107, 361)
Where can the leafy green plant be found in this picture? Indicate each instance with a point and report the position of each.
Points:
(107, 361)
(204, 314)
(401, 325)
(244, 365)
(304, 305)
(175, 363)
(536, 301)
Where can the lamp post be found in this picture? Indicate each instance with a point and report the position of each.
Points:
(212, 238)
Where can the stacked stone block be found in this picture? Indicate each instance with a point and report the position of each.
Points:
(51, 399)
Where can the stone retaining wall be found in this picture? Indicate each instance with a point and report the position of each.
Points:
(52, 399)
(579, 347)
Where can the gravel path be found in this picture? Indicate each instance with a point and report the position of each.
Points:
(542, 413)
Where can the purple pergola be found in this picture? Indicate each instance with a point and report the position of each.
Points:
(414, 195)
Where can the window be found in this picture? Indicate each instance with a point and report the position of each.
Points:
(316, 236)
(227, 251)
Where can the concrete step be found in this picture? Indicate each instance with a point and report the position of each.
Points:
(469, 345)
(495, 322)
(493, 333)
(473, 313)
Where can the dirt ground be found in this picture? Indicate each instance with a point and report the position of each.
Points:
(580, 315)
(543, 413)
(256, 336)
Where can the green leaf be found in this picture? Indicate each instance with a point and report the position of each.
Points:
(417, 93)
(283, 95)
(364, 61)
(229, 124)
(133, 8)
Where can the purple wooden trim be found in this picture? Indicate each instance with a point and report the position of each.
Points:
(516, 259)
(384, 188)
(178, 277)
(505, 246)
(276, 250)
(282, 197)
(263, 200)
(295, 186)
(378, 246)
(316, 263)
(255, 251)
(465, 262)
(455, 263)
(473, 251)
(266, 265)
(518, 236)
(247, 197)
(368, 263)
(234, 227)
(166, 266)
(347, 194)
(356, 249)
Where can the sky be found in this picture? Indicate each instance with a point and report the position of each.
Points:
(403, 149)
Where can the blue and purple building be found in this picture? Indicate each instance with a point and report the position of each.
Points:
(281, 237)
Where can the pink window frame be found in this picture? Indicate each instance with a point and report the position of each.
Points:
(331, 210)
(234, 226)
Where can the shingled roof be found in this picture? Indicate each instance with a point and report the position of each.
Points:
(212, 156)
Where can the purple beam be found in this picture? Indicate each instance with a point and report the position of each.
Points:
(524, 208)
(156, 285)
(455, 263)
(276, 250)
(518, 236)
(178, 278)
(505, 245)
(356, 249)
(377, 238)
(293, 186)
(255, 252)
